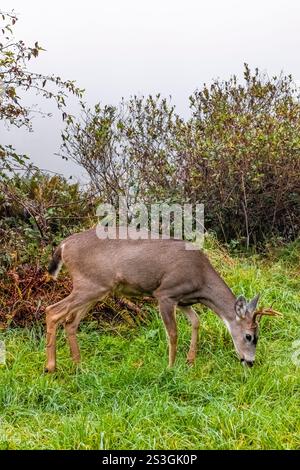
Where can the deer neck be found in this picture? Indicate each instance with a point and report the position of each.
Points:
(218, 297)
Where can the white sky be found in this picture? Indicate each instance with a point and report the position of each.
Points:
(115, 48)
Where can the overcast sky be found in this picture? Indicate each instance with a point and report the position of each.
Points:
(116, 48)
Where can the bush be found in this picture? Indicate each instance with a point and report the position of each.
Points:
(238, 154)
(246, 163)
(36, 212)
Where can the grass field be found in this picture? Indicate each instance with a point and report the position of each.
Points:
(124, 397)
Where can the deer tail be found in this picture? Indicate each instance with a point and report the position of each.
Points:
(56, 262)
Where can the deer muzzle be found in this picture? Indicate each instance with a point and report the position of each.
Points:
(247, 363)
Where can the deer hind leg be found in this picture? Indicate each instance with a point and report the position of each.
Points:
(54, 314)
(167, 311)
(72, 307)
(194, 320)
(71, 327)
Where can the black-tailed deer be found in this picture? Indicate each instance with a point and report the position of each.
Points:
(164, 269)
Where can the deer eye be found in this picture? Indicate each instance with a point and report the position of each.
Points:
(248, 338)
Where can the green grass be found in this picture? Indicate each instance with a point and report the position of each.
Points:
(123, 396)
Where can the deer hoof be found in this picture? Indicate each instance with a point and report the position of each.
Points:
(191, 360)
(49, 370)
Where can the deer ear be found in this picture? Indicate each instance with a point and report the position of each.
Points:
(251, 307)
(241, 306)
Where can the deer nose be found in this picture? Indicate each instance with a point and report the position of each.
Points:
(248, 363)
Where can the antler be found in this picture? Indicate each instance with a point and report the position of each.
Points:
(266, 311)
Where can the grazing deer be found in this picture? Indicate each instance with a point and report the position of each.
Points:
(164, 269)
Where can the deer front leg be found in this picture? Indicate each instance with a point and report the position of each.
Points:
(194, 320)
(167, 311)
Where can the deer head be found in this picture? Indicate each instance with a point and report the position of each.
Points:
(244, 330)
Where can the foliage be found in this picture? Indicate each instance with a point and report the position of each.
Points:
(238, 154)
(37, 211)
(248, 146)
(17, 79)
(125, 150)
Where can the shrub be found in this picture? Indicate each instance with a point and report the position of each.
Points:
(238, 153)
(245, 165)
(36, 212)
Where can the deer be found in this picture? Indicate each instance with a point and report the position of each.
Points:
(167, 270)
